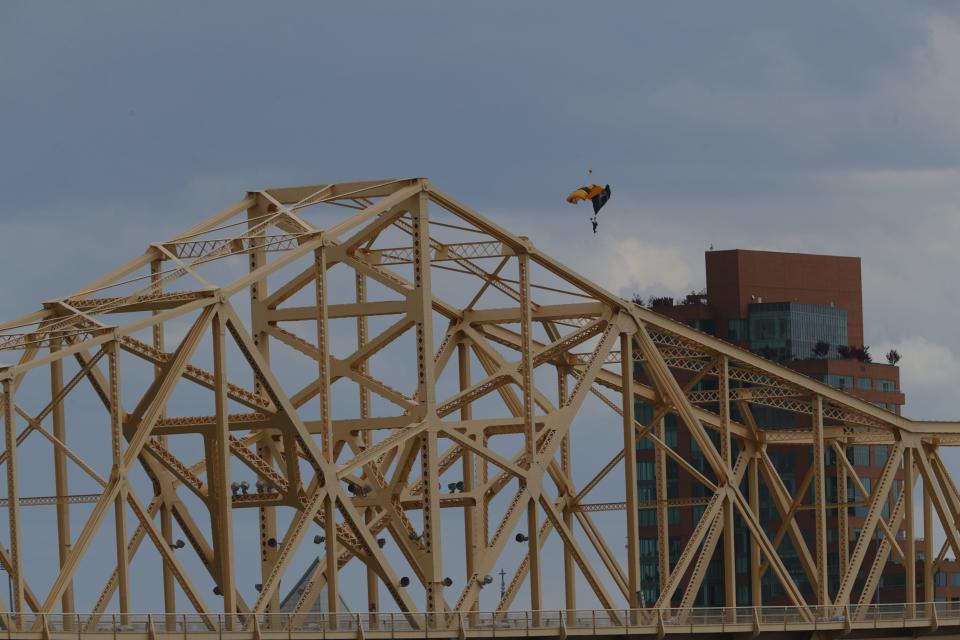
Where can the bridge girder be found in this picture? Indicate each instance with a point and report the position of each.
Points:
(470, 318)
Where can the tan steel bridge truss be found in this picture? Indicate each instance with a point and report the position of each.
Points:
(494, 347)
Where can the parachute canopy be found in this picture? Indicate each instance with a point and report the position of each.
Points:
(595, 193)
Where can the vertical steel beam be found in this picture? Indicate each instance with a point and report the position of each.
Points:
(533, 551)
(423, 305)
(819, 502)
(726, 452)
(169, 592)
(630, 471)
(843, 512)
(60, 473)
(422, 311)
(332, 553)
(326, 428)
(123, 558)
(116, 437)
(566, 467)
(323, 352)
(663, 508)
(166, 518)
(529, 427)
(929, 594)
(469, 511)
(258, 331)
(910, 553)
(221, 509)
(756, 593)
(431, 523)
(373, 587)
(526, 358)
(15, 568)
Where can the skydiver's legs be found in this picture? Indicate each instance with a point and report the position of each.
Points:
(593, 221)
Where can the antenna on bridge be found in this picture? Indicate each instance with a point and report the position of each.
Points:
(503, 584)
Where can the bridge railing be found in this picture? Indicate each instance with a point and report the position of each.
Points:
(512, 623)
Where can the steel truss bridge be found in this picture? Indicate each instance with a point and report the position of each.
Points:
(352, 349)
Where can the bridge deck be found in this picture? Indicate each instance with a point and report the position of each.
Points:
(866, 621)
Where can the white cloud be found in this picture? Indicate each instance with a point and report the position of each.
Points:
(627, 264)
(926, 366)
(633, 250)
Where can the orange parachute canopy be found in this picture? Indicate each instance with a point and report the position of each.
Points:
(597, 194)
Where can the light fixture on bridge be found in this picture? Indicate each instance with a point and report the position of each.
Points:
(413, 535)
(356, 489)
(235, 488)
(272, 542)
(317, 539)
(217, 591)
(261, 486)
(381, 542)
(404, 581)
(487, 579)
(447, 582)
(521, 538)
(179, 544)
(245, 487)
(456, 487)
(258, 587)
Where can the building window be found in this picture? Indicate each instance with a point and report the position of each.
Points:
(940, 579)
(886, 385)
(880, 456)
(743, 594)
(854, 494)
(645, 471)
(674, 549)
(789, 330)
(955, 579)
(743, 564)
(648, 547)
(838, 381)
(865, 383)
(707, 326)
(893, 579)
(647, 517)
(673, 515)
(737, 330)
(670, 437)
(859, 455)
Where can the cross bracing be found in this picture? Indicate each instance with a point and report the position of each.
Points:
(332, 356)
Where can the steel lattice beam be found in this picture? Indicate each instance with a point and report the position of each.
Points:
(501, 310)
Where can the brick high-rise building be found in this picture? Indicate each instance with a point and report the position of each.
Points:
(780, 306)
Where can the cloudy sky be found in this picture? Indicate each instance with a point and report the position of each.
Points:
(815, 127)
(799, 126)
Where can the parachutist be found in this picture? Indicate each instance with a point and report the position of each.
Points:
(596, 194)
